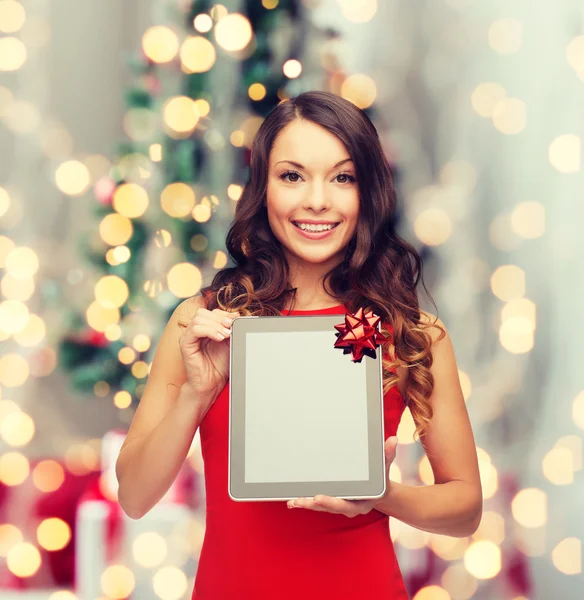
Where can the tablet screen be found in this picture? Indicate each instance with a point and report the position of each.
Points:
(305, 410)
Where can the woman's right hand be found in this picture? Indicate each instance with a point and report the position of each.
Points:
(204, 346)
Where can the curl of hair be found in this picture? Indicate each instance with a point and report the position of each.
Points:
(380, 271)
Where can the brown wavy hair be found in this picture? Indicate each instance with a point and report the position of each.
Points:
(379, 271)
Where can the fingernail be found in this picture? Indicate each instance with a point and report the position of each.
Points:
(227, 322)
(227, 332)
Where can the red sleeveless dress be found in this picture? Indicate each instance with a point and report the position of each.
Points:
(266, 551)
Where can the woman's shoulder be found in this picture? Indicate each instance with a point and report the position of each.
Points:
(187, 309)
(435, 326)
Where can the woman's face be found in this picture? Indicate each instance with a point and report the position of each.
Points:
(312, 195)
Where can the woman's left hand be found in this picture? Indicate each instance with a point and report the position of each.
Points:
(349, 508)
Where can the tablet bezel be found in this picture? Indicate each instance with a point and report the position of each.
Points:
(238, 489)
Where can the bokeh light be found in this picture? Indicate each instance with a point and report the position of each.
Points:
(529, 507)
(233, 32)
(160, 44)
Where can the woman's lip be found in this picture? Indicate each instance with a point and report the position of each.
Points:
(314, 235)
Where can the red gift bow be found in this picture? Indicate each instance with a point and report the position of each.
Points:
(359, 334)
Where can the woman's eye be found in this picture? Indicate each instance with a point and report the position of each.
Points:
(350, 178)
(289, 173)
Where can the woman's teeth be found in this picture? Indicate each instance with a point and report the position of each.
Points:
(306, 227)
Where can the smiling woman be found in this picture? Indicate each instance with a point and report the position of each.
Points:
(313, 233)
(320, 203)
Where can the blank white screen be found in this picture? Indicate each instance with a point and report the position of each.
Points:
(305, 410)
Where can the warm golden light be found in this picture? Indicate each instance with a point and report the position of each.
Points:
(358, 11)
(14, 468)
(22, 262)
(81, 459)
(292, 68)
(170, 583)
(6, 247)
(23, 559)
(516, 335)
(492, 527)
(529, 507)
(197, 54)
(574, 444)
(177, 199)
(233, 32)
(486, 96)
(22, 116)
(519, 308)
(149, 549)
(9, 537)
(433, 226)
(202, 212)
(115, 229)
(33, 333)
(565, 153)
(528, 219)
(234, 191)
(14, 316)
(184, 280)
(140, 369)
(220, 260)
(508, 282)
(117, 582)
(458, 582)
(130, 200)
(12, 16)
(53, 534)
(567, 556)
(99, 317)
(12, 54)
(180, 114)
(72, 178)
(256, 91)
(203, 23)
(111, 291)
(482, 559)
(558, 466)
(160, 44)
(506, 36)
(122, 399)
(64, 595)
(14, 370)
(48, 475)
(510, 116)
(360, 90)
(141, 342)
(127, 355)
(155, 152)
(17, 429)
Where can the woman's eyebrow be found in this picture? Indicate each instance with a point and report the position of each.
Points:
(298, 165)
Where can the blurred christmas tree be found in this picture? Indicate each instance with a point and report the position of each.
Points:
(201, 87)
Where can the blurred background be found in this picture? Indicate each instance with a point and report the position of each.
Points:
(125, 130)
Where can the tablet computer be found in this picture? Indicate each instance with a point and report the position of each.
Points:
(304, 418)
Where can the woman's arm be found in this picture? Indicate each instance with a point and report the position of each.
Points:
(162, 430)
(453, 504)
